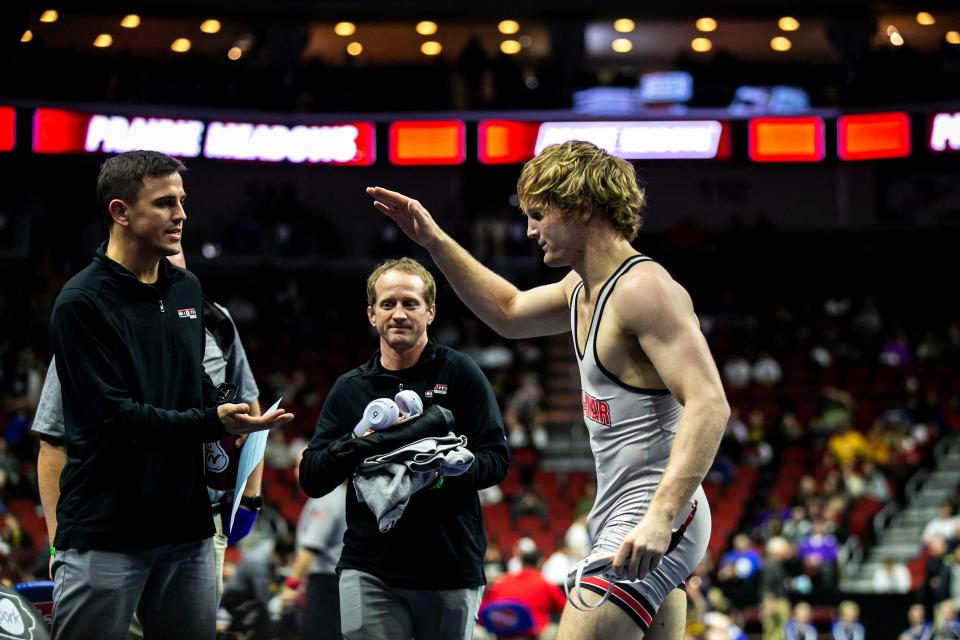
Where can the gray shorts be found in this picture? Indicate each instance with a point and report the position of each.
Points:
(372, 610)
(642, 599)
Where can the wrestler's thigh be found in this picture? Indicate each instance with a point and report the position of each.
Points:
(609, 621)
(671, 618)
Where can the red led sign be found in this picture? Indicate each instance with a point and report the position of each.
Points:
(786, 139)
(873, 136)
(427, 142)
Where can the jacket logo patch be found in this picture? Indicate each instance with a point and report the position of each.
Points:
(440, 390)
(596, 410)
(188, 313)
(216, 458)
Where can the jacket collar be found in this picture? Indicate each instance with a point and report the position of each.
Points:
(373, 367)
(167, 274)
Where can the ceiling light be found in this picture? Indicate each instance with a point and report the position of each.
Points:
(621, 45)
(210, 26)
(624, 25)
(508, 27)
(431, 48)
(896, 39)
(344, 29)
(49, 16)
(103, 41)
(891, 30)
(354, 48)
(28, 36)
(235, 53)
(701, 45)
(510, 47)
(781, 43)
(426, 27)
(180, 45)
(953, 37)
(788, 23)
(706, 25)
(130, 21)
(926, 19)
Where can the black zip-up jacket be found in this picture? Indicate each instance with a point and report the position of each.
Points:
(439, 542)
(137, 407)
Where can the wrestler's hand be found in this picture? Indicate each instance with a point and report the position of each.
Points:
(643, 548)
(412, 218)
(237, 420)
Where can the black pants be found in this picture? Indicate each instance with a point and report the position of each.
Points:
(321, 618)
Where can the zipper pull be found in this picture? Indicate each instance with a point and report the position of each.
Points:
(401, 386)
(162, 310)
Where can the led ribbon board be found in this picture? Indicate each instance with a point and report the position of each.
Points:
(340, 144)
(873, 136)
(59, 131)
(427, 142)
(944, 134)
(8, 128)
(506, 141)
(644, 140)
(785, 139)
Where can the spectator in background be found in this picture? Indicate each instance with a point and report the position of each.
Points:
(853, 483)
(719, 626)
(248, 591)
(868, 319)
(919, 628)
(798, 525)
(819, 552)
(953, 579)
(896, 351)
(529, 503)
(943, 525)
(876, 485)
(836, 413)
(936, 575)
(737, 372)
(847, 446)
(848, 627)
(774, 614)
(527, 585)
(799, 626)
(577, 538)
(739, 573)
(776, 575)
(945, 621)
(891, 577)
(766, 370)
(557, 567)
(320, 530)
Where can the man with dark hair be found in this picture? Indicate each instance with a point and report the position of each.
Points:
(134, 524)
(421, 578)
(225, 361)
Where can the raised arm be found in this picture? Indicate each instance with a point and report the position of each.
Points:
(507, 310)
(656, 310)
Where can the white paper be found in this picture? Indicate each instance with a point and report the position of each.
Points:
(251, 453)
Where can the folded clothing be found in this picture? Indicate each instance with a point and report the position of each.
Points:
(386, 482)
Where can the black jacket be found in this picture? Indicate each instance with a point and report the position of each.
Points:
(439, 543)
(136, 409)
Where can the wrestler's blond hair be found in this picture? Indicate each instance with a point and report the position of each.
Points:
(577, 177)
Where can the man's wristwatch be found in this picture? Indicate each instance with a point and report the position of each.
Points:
(253, 503)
